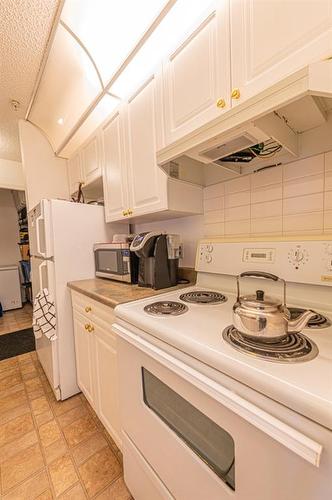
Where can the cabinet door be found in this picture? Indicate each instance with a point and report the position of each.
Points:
(197, 76)
(91, 160)
(75, 174)
(84, 358)
(107, 381)
(114, 169)
(146, 181)
(272, 39)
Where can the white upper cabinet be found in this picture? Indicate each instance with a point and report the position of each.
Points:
(273, 39)
(91, 160)
(147, 182)
(134, 185)
(197, 75)
(114, 169)
(75, 173)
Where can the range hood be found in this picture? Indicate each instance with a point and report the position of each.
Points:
(290, 120)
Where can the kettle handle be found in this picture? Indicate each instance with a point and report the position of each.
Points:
(259, 274)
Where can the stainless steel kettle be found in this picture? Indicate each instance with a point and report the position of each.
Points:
(263, 318)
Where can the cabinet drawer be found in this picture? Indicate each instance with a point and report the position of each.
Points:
(93, 310)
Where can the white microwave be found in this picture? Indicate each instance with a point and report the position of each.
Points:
(115, 261)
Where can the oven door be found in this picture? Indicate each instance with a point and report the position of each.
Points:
(112, 263)
(201, 440)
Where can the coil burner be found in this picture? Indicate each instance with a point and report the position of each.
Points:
(166, 308)
(318, 321)
(203, 297)
(294, 348)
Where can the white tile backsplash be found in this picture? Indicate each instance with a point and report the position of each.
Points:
(300, 222)
(214, 191)
(301, 168)
(237, 228)
(266, 225)
(328, 200)
(305, 185)
(303, 204)
(266, 193)
(270, 208)
(288, 199)
(237, 199)
(266, 177)
(237, 213)
(211, 204)
(328, 180)
(214, 216)
(237, 185)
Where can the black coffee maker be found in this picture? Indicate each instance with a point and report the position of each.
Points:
(158, 259)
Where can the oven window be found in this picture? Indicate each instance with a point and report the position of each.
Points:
(107, 261)
(210, 442)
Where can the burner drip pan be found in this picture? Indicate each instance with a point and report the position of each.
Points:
(317, 322)
(166, 308)
(203, 297)
(294, 348)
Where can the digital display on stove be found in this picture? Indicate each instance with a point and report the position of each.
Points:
(258, 255)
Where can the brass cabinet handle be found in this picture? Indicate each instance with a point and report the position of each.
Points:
(87, 326)
(236, 94)
(90, 329)
(221, 103)
(130, 212)
(124, 213)
(88, 309)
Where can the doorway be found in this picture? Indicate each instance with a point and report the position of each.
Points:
(15, 284)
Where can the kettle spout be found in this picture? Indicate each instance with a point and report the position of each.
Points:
(296, 325)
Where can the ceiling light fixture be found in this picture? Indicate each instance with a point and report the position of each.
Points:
(60, 121)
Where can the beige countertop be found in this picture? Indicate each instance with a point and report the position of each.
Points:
(112, 293)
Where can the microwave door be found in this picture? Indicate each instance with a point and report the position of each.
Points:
(110, 263)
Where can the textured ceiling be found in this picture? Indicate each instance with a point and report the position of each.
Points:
(24, 30)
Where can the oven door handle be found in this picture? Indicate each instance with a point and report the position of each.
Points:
(294, 440)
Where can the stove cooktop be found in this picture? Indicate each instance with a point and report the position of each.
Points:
(305, 387)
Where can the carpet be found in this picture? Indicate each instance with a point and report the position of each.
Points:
(13, 344)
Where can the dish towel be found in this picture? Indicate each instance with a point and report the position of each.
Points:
(44, 318)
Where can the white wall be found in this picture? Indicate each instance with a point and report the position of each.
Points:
(46, 175)
(9, 230)
(11, 175)
(190, 229)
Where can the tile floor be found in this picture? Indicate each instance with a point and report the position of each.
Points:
(16, 319)
(51, 449)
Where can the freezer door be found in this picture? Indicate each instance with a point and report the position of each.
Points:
(40, 230)
(42, 272)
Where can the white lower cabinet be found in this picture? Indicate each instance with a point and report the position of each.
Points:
(96, 360)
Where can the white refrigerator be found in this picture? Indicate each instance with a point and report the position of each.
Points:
(62, 235)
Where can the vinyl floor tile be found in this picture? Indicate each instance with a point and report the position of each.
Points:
(51, 449)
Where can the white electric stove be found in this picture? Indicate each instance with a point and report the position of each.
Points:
(210, 416)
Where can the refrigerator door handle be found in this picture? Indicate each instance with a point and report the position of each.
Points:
(40, 271)
(39, 218)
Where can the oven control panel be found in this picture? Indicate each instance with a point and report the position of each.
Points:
(308, 261)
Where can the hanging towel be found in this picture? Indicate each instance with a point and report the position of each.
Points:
(44, 318)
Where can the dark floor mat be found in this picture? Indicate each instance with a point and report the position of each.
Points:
(13, 344)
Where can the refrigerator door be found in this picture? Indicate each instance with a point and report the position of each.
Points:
(40, 230)
(42, 273)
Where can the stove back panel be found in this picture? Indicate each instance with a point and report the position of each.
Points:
(306, 261)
